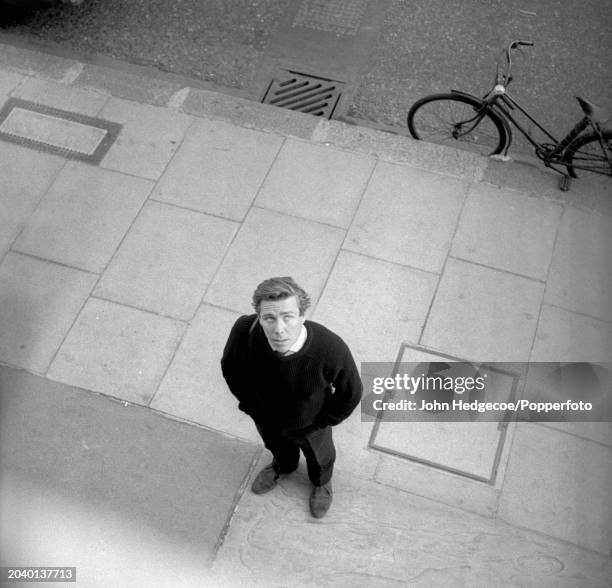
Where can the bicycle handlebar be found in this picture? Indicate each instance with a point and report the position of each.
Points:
(505, 77)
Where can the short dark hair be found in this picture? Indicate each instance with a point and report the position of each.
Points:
(279, 289)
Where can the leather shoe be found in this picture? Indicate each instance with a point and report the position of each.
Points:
(265, 480)
(320, 500)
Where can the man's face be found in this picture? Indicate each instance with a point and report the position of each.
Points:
(281, 322)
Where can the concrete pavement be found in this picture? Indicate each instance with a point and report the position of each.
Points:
(126, 494)
(122, 278)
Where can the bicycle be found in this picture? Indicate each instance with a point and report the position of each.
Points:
(485, 123)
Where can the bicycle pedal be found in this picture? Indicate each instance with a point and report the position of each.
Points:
(500, 157)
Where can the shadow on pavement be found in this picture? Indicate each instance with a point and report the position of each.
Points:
(99, 483)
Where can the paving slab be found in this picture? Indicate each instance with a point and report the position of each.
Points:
(567, 337)
(526, 174)
(579, 277)
(38, 304)
(599, 432)
(570, 337)
(507, 230)
(116, 350)
(125, 495)
(9, 81)
(375, 305)
(272, 244)
(148, 140)
(482, 314)
(61, 96)
(352, 453)
(438, 485)
(218, 169)
(193, 388)
(417, 542)
(20, 190)
(407, 216)
(316, 182)
(84, 216)
(558, 484)
(167, 260)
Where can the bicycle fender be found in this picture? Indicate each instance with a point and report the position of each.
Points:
(460, 93)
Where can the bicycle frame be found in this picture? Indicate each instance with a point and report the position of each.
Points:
(550, 153)
(503, 104)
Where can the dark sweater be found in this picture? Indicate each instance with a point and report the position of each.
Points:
(319, 385)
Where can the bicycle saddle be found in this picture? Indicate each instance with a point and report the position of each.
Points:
(592, 110)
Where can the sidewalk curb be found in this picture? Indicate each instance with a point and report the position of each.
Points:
(200, 99)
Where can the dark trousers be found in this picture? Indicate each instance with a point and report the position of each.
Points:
(317, 446)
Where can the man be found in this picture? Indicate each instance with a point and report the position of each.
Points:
(295, 379)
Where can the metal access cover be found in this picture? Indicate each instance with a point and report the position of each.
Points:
(304, 93)
(69, 134)
(469, 449)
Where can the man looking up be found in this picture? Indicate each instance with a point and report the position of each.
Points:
(295, 379)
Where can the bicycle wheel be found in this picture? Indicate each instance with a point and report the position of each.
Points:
(589, 154)
(452, 120)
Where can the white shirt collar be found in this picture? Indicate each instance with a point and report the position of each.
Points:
(299, 342)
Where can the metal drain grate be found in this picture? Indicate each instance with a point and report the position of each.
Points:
(304, 93)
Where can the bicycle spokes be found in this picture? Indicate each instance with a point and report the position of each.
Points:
(452, 120)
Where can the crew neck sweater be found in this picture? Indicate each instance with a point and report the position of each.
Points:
(319, 385)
